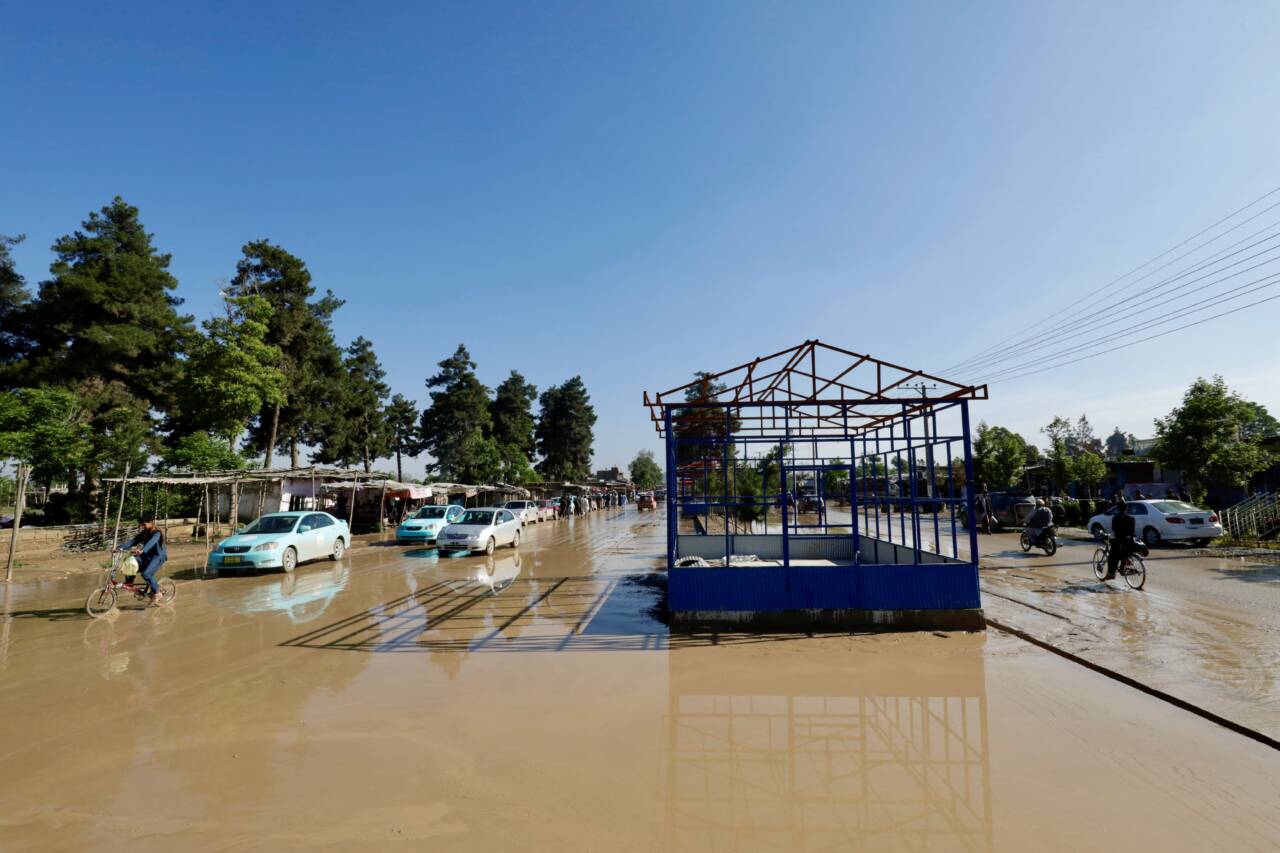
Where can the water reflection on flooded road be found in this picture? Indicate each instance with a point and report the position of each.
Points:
(536, 700)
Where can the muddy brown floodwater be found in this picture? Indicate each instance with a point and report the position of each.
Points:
(536, 701)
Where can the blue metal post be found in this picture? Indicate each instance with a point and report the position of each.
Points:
(911, 473)
(968, 484)
(724, 478)
(673, 498)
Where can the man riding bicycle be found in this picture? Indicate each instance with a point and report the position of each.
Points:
(1122, 533)
(149, 546)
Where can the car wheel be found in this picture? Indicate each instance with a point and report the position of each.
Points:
(1151, 536)
(1097, 531)
(488, 547)
(289, 561)
(515, 540)
(339, 548)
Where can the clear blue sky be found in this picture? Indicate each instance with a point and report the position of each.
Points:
(633, 192)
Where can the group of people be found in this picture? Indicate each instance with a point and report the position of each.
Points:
(571, 505)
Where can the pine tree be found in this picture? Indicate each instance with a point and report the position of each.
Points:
(565, 431)
(355, 427)
(108, 313)
(105, 326)
(457, 423)
(402, 419)
(14, 302)
(512, 413)
(513, 428)
(300, 328)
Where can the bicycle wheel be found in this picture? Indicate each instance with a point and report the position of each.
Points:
(1100, 564)
(100, 602)
(168, 591)
(1135, 574)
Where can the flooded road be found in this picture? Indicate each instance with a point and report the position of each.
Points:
(536, 701)
(1204, 629)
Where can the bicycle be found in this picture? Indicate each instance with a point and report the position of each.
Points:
(1132, 568)
(103, 599)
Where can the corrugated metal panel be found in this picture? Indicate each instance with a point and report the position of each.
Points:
(924, 587)
(759, 589)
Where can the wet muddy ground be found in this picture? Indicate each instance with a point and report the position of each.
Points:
(536, 701)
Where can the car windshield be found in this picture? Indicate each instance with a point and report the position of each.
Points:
(273, 524)
(515, 504)
(476, 516)
(1175, 506)
(430, 512)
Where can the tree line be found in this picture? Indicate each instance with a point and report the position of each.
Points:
(1214, 436)
(101, 370)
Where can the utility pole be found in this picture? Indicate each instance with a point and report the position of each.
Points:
(19, 501)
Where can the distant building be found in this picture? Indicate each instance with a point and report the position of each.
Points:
(615, 473)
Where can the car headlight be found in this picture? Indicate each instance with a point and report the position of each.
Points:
(473, 536)
(267, 546)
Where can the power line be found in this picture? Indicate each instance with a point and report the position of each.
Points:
(1140, 340)
(1073, 326)
(1020, 335)
(1243, 290)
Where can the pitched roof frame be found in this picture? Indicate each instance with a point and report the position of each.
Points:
(832, 392)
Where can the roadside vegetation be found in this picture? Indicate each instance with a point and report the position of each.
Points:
(101, 372)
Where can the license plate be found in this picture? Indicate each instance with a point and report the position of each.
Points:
(232, 560)
(1197, 521)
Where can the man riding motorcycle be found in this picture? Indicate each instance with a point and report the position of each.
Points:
(1040, 521)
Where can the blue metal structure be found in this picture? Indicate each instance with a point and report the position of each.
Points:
(819, 485)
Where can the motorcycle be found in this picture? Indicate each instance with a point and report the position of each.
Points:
(1048, 540)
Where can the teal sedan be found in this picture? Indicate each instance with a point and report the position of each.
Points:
(425, 524)
(282, 540)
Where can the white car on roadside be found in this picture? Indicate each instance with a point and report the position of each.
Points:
(1157, 520)
(526, 511)
(481, 530)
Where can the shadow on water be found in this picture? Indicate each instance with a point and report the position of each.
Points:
(1251, 574)
(521, 614)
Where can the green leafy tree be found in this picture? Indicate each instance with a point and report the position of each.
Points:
(645, 471)
(1206, 437)
(999, 456)
(566, 431)
(402, 420)
(1260, 424)
(1089, 469)
(355, 427)
(45, 428)
(301, 328)
(457, 419)
(1060, 434)
(14, 302)
(835, 484)
(200, 451)
(232, 371)
(516, 467)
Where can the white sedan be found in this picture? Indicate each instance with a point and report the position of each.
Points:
(481, 530)
(526, 511)
(1157, 520)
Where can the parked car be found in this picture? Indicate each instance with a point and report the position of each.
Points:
(550, 510)
(481, 530)
(1011, 509)
(282, 540)
(526, 511)
(1157, 520)
(425, 524)
(811, 503)
(646, 501)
